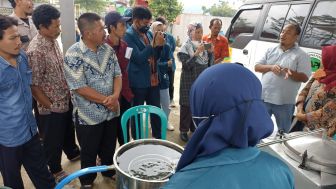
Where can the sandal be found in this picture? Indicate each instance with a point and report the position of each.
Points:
(60, 176)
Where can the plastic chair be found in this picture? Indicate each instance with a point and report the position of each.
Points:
(143, 111)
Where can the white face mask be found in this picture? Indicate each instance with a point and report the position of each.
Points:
(196, 43)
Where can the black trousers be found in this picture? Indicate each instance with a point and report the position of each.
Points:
(30, 155)
(96, 140)
(151, 96)
(186, 122)
(124, 105)
(59, 134)
(36, 115)
(171, 75)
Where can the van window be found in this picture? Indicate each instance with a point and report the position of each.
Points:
(297, 13)
(245, 23)
(321, 27)
(274, 21)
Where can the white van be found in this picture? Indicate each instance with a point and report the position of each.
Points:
(258, 24)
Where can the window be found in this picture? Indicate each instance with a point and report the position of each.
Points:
(321, 27)
(274, 21)
(297, 13)
(245, 23)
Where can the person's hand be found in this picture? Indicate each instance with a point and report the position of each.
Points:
(114, 108)
(301, 116)
(287, 72)
(276, 69)
(159, 39)
(199, 49)
(300, 108)
(211, 49)
(219, 60)
(111, 101)
(170, 63)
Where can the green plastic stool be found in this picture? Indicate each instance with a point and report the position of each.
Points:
(143, 111)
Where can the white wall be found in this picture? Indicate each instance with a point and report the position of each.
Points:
(180, 29)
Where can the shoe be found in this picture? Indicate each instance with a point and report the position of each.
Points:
(184, 137)
(88, 186)
(170, 127)
(60, 176)
(172, 104)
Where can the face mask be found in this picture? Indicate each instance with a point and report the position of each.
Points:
(196, 43)
(144, 29)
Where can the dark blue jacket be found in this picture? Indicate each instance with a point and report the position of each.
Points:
(172, 44)
(163, 67)
(138, 67)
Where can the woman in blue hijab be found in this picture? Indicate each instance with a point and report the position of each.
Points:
(231, 119)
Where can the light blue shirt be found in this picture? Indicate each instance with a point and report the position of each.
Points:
(276, 89)
(17, 123)
(234, 168)
(85, 68)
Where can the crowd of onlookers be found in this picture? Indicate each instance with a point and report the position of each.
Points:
(101, 76)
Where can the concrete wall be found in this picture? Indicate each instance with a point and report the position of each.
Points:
(180, 30)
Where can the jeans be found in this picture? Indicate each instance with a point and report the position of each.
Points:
(164, 100)
(30, 155)
(283, 114)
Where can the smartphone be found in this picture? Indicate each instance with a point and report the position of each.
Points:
(207, 46)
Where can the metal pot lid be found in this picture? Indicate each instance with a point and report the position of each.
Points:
(313, 152)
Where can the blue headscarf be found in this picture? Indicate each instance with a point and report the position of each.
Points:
(226, 98)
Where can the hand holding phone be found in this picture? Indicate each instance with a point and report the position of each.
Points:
(207, 46)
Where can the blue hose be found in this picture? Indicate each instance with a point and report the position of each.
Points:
(81, 172)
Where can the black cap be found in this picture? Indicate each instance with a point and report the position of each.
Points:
(128, 12)
(114, 17)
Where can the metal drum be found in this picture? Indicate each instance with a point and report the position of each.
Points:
(311, 157)
(146, 163)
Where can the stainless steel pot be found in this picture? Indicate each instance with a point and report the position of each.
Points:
(128, 156)
(161, 155)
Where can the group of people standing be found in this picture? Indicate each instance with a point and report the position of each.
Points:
(100, 77)
(87, 90)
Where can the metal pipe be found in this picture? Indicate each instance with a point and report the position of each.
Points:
(260, 145)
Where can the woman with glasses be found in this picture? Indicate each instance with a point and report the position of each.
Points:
(231, 119)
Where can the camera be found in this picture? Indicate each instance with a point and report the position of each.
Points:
(164, 35)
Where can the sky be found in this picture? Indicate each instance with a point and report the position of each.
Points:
(195, 6)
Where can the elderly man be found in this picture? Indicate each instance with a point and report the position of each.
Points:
(220, 43)
(51, 90)
(284, 68)
(94, 77)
